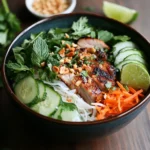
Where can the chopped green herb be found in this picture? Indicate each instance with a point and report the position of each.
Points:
(53, 61)
(40, 51)
(17, 67)
(108, 85)
(80, 27)
(84, 73)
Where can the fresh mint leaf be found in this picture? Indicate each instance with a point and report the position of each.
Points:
(53, 61)
(122, 38)
(17, 67)
(80, 27)
(105, 35)
(17, 49)
(40, 51)
(19, 58)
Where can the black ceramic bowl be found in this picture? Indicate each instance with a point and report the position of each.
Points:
(82, 129)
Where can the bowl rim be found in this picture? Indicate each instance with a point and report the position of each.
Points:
(26, 108)
(71, 7)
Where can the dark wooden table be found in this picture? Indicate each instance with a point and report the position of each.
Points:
(14, 133)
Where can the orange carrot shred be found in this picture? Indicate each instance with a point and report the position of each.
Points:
(133, 91)
(117, 101)
(134, 95)
(121, 86)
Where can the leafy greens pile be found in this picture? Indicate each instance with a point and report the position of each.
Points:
(9, 26)
(38, 54)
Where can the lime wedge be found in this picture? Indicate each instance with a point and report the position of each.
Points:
(136, 76)
(119, 13)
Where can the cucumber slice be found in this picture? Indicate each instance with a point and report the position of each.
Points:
(26, 90)
(68, 115)
(135, 57)
(122, 55)
(120, 65)
(117, 47)
(50, 104)
(57, 115)
(125, 49)
(42, 90)
(67, 112)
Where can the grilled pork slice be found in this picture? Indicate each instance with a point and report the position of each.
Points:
(87, 90)
(92, 43)
(102, 74)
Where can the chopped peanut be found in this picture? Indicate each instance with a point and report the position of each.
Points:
(63, 70)
(66, 35)
(80, 69)
(70, 54)
(66, 60)
(43, 64)
(84, 66)
(63, 42)
(68, 46)
(74, 45)
(56, 69)
(89, 80)
(101, 66)
(72, 70)
(50, 6)
(91, 50)
(75, 66)
(78, 82)
(72, 49)
(61, 61)
(62, 52)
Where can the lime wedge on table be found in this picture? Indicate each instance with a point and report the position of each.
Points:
(118, 12)
(136, 76)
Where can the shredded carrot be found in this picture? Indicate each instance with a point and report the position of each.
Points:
(132, 90)
(121, 86)
(117, 101)
(134, 95)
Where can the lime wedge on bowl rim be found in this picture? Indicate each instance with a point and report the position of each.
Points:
(119, 13)
(136, 76)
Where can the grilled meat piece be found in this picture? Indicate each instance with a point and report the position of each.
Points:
(101, 55)
(88, 91)
(98, 70)
(104, 73)
(92, 43)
